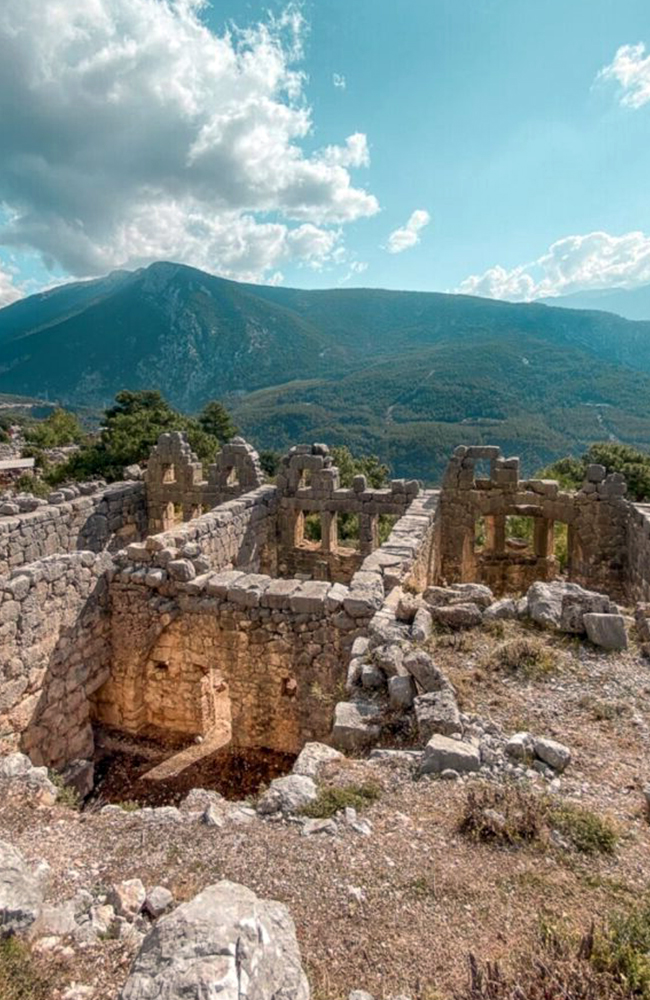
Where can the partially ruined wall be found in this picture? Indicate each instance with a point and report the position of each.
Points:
(637, 553)
(597, 519)
(309, 484)
(109, 519)
(55, 641)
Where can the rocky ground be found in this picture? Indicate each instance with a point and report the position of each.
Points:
(394, 897)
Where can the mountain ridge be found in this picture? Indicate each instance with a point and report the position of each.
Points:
(405, 374)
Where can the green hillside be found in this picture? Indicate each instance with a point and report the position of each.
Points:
(406, 375)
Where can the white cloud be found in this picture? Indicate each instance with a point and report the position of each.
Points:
(409, 235)
(575, 263)
(630, 68)
(131, 132)
(8, 291)
(339, 81)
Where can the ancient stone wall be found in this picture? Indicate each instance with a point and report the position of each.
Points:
(637, 553)
(596, 518)
(309, 485)
(108, 519)
(176, 490)
(55, 642)
(239, 533)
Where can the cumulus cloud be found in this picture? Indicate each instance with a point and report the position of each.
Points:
(131, 132)
(575, 263)
(8, 291)
(630, 68)
(409, 235)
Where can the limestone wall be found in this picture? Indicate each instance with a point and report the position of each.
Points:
(54, 637)
(638, 553)
(108, 519)
(239, 533)
(266, 657)
(596, 517)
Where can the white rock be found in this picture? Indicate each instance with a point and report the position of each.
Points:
(555, 754)
(312, 757)
(442, 753)
(288, 794)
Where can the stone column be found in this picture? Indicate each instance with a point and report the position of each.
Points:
(329, 531)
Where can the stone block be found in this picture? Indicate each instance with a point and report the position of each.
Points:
(607, 631)
(442, 753)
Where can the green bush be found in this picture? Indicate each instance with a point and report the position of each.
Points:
(19, 979)
(586, 831)
(332, 800)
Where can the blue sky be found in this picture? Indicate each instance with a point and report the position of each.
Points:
(508, 126)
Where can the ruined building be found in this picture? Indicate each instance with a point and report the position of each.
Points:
(199, 606)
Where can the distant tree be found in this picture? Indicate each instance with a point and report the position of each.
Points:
(130, 430)
(270, 462)
(631, 462)
(217, 422)
(58, 429)
(350, 465)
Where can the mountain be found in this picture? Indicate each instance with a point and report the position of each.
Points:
(407, 375)
(631, 303)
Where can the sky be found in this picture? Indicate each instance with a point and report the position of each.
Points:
(493, 147)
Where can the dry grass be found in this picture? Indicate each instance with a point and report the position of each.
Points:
(527, 656)
(19, 977)
(505, 815)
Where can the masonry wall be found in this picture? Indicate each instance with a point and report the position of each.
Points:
(269, 653)
(55, 642)
(637, 552)
(107, 520)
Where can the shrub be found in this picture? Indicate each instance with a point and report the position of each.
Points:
(530, 657)
(19, 980)
(332, 800)
(622, 949)
(586, 831)
(502, 814)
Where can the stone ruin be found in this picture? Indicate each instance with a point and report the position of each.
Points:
(182, 605)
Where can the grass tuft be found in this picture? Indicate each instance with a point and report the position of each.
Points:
(527, 656)
(586, 831)
(331, 800)
(504, 815)
(19, 979)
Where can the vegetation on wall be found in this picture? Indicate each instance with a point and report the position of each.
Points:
(632, 463)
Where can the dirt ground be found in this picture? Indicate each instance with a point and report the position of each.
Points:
(398, 912)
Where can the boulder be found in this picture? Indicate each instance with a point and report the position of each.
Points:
(225, 942)
(520, 747)
(158, 900)
(389, 658)
(372, 678)
(127, 898)
(474, 593)
(437, 712)
(401, 692)
(420, 666)
(556, 755)
(502, 610)
(459, 616)
(312, 757)
(562, 605)
(442, 753)
(288, 794)
(606, 630)
(21, 893)
(356, 724)
(422, 626)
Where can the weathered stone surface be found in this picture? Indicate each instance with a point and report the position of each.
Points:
(422, 626)
(605, 630)
(401, 692)
(501, 610)
(562, 605)
(158, 900)
(288, 794)
(312, 757)
(389, 658)
(356, 724)
(555, 754)
(225, 942)
(421, 666)
(372, 678)
(437, 712)
(442, 753)
(520, 746)
(80, 775)
(21, 894)
(127, 898)
(459, 616)
(473, 593)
